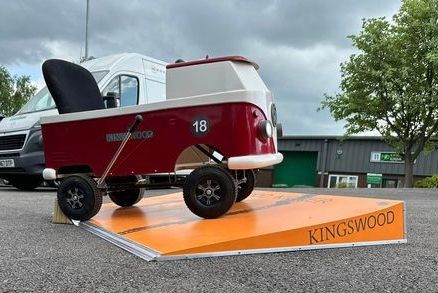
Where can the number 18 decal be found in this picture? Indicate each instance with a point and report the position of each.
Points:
(200, 125)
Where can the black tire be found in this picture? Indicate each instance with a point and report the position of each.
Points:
(244, 189)
(209, 191)
(79, 198)
(27, 183)
(125, 198)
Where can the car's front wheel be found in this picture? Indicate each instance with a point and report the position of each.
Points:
(209, 191)
(79, 198)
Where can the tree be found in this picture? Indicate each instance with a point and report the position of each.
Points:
(15, 91)
(391, 84)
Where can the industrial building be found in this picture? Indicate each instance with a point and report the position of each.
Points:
(336, 161)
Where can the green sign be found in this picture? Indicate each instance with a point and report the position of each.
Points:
(386, 157)
(390, 157)
(374, 178)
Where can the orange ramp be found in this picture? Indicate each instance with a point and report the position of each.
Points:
(161, 227)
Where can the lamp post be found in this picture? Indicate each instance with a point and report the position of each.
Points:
(86, 30)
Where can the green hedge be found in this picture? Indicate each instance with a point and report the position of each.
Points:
(428, 182)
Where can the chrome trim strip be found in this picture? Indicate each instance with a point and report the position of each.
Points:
(281, 249)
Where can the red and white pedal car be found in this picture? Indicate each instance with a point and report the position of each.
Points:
(219, 119)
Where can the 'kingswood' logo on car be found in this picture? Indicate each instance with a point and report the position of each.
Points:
(138, 135)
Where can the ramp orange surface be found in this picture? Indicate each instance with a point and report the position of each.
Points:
(267, 221)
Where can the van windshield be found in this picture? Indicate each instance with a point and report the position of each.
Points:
(44, 101)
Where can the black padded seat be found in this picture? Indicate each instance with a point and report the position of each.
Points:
(72, 87)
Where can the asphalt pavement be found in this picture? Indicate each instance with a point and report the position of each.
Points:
(38, 256)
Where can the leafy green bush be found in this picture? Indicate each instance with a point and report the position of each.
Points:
(428, 182)
(342, 185)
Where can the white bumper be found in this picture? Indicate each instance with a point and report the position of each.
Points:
(49, 174)
(254, 161)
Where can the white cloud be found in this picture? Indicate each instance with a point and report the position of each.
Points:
(63, 49)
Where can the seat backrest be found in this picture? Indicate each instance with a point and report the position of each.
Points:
(72, 87)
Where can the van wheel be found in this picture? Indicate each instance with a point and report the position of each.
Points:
(27, 183)
(245, 183)
(209, 191)
(129, 197)
(79, 198)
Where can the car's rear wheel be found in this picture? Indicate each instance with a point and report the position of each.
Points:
(246, 180)
(128, 197)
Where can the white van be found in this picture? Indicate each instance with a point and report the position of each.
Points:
(132, 78)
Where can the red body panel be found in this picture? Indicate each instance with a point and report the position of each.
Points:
(232, 130)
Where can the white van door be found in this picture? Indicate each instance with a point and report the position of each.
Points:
(126, 88)
(155, 81)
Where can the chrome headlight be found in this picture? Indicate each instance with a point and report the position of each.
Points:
(266, 129)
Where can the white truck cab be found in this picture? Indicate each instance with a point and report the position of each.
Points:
(132, 78)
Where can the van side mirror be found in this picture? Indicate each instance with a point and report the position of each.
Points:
(111, 100)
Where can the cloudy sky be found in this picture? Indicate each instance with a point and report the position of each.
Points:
(298, 44)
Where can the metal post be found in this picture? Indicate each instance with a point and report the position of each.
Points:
(86, 31)
(324, 163)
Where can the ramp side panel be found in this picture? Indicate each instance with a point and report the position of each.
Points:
(282, 222)
(265, 220)
(381, 226)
